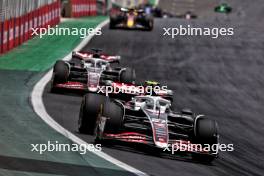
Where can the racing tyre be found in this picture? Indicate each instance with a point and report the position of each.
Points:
(205, 133)
(60, 72)
(114, 114)
(90, 109)
(112, 23)
(128, 76)
(150, 25)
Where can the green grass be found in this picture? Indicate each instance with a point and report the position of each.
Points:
(39, 54)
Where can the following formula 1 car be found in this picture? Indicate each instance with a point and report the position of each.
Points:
(148, 120)
(88, 71)
(131, 19)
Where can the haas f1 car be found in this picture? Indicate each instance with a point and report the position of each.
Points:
(131, 19)
(148, 120)
(88, 71)
(93, 72)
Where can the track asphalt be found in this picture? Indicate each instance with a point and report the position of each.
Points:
(221, 78)
(20, 126)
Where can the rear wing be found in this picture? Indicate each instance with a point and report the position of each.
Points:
(90, 55)
(126, 10)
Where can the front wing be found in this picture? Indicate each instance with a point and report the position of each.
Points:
(137, 25)
(174, 146)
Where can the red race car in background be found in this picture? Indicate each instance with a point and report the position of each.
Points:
(131, 19)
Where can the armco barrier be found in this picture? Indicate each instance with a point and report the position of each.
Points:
(26, 34)
(5, 36)
(10, 34)
(42, 13)
(36, 18)
(16, 27)
(17, 30)
(21, 30)
(93, 5)
(53, 14)
(1, 32)
(30, 24)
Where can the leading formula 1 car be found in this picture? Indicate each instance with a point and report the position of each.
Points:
(147, 120)
(88, 71)
(131, 19)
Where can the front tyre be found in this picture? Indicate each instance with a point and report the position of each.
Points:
(112, 23)
(91, 107)
(150, 25)
(114, 114)
(205, 133)
(60, 72)
(128, 76)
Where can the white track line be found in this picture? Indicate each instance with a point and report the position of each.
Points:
(39, 108)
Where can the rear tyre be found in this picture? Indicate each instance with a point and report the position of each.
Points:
(91, 107)
(150, 25)
(112, 23)
(206, 132)
(128, 76)
(60, 72)
(114, 114)
(60, 75)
